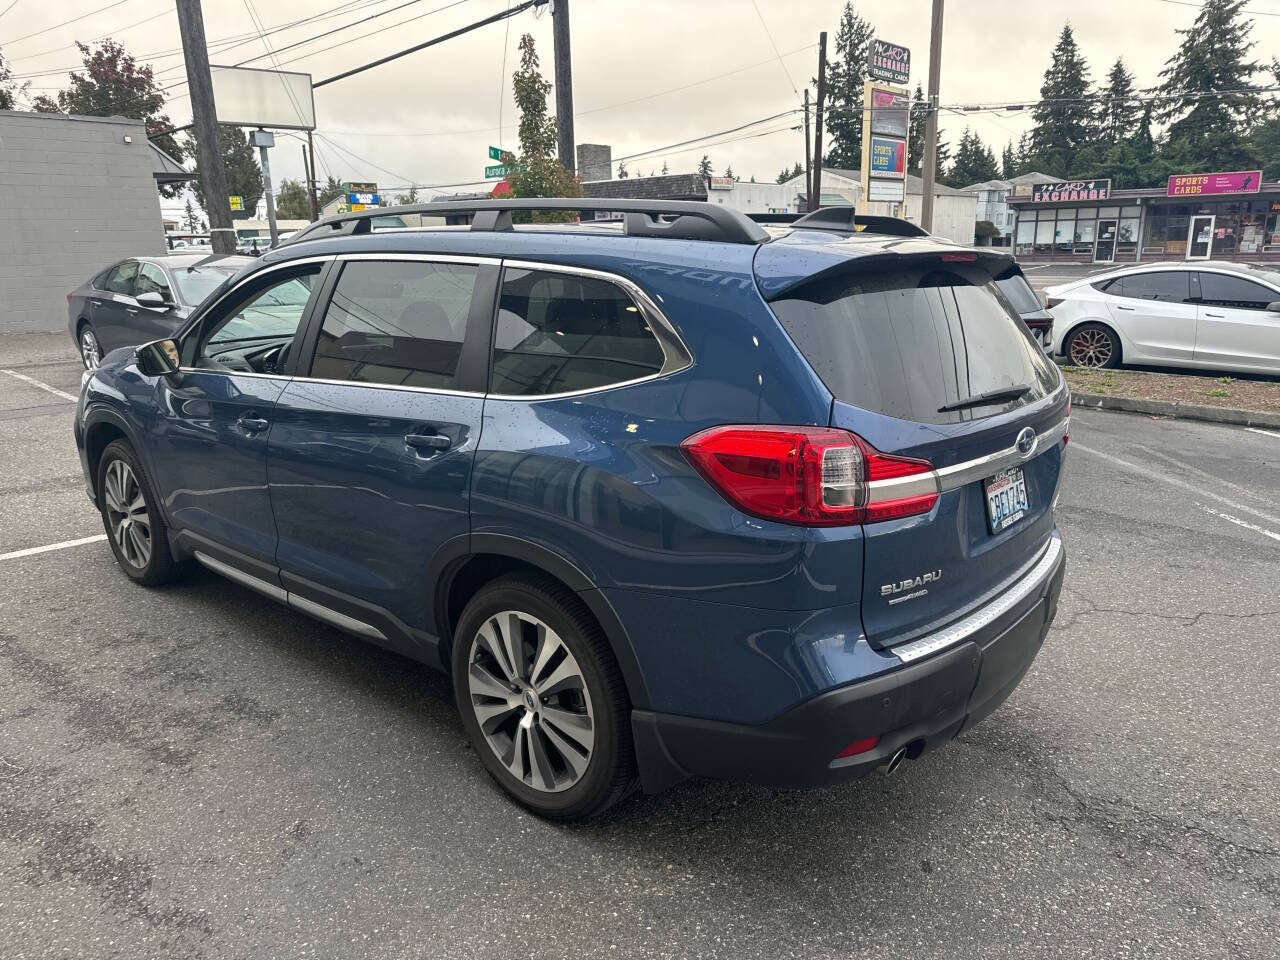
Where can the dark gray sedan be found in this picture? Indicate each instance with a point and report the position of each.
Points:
(142, 299)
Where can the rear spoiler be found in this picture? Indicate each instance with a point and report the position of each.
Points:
(843, 220)
(902, 253)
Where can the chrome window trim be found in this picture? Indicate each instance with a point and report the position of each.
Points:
(442, 391)
(477, 260)
(1016, 589)
(676, 355)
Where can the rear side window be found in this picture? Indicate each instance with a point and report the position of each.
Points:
(1019, 293)
(121, 277)
(562, 332)
(1220, 290)
(1169, 286)
(905, 343)
(396, 322)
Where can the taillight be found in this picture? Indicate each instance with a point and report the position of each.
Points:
(69, 296)
(1051, 302)
(811, 476)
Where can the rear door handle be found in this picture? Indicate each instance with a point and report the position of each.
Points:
(431, 442)
(1122, 307)
(253, 424)
(1219, 316)
(130, 309)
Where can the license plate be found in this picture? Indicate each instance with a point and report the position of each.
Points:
(1006, 499)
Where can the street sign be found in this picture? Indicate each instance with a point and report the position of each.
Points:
(237, 203)
(495, 153)
(498, 171)
(889, 61)
(369, 199)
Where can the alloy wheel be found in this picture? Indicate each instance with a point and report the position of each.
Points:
(127, 513)
(1091, 348)
(90, 351)
(531, 702)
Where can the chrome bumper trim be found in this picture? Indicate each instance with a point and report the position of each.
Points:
(961, 474)
(1025, 583)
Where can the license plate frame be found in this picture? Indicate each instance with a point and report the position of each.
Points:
(1006, 498)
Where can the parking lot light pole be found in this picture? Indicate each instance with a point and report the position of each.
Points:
(262, 139)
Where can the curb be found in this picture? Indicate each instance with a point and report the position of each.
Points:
(1176, 410)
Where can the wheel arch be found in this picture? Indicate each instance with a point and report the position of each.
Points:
(102, 426)
(467, 563)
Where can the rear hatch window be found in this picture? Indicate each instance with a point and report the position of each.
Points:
(918, 343)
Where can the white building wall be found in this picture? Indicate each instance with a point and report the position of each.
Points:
(954, 215)
(757, 197)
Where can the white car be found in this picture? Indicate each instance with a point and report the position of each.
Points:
(1221, 316)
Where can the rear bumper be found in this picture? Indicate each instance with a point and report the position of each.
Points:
(919, 706)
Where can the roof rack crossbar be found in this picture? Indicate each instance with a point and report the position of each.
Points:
(676, 219)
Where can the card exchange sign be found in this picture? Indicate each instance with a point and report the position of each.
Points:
(889, 61)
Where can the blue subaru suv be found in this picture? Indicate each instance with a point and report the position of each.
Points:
(692, 497)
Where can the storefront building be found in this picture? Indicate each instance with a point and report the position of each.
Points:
(1223, 216)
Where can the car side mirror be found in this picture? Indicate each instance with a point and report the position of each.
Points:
(151, 299)
(1273, 306)
(159, 358)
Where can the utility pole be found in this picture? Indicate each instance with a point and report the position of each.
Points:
(815, 194)
(309, 165)
(262, 139)
(564, 83)
(808, 160)
(930, 170)
(213, 176)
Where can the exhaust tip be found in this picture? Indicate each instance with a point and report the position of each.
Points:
(895, 761)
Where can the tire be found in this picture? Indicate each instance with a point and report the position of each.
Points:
(1093, 345)
(137, 533)
(89, 345)
(553, 730)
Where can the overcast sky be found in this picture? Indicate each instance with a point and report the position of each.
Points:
(643, 69)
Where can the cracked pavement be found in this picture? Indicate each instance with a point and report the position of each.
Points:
(196, 772)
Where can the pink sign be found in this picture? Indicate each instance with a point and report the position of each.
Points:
(1206, 184)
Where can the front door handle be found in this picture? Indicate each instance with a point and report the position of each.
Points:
(253, 424)
(1218, 316)
(131, 310)
(428, 442)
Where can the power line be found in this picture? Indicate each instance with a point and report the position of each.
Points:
(8, 8)
(64, 23)
(503, 15)
(355, 156)
(1200, 6)
(775, 48)
(720, 133)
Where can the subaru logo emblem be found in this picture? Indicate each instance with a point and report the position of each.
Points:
(1026, 442)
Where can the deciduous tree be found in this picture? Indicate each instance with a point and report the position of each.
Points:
(292, 202)
(537, 172)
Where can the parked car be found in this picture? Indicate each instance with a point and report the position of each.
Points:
(142, 298)
(1219, 316)
(689, 499)
(1013, 284)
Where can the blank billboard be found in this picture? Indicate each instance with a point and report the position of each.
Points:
(244, 97)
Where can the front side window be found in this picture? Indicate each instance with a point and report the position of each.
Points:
(272, 313)
(120, 279)
(1168, 286)
(1220, 290)
(396, 322)
(151, 279)
(562, 332)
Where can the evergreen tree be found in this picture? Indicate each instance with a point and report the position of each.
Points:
(189, 217)
(915, 132)
(728, 172)
(244, 179)
(1064, 116)
(330, 190)
(846, 74)
(1008, 162)
(537, 172)
(704, 166)
(943, 154)
(1208, 127)
(1024, 160)
(974, 163)
(664, 168)
(791, 174)
(1118, 112)
(292, 202)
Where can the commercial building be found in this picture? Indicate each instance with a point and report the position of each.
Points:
(1197, 216)
(76, 194)
(993, 206)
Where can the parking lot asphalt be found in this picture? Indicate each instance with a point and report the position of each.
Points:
(195, 772)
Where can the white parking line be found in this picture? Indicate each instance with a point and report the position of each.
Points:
(32, 551)
(1240, 523)
(1265, 433)
(43, 386)
(1163, 477)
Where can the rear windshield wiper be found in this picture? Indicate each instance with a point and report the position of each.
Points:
(982, 399)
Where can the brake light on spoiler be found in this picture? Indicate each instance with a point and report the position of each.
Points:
(810, 476)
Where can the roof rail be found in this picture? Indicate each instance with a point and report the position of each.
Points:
(675, 219)
(844, 220)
